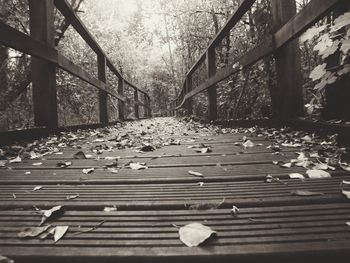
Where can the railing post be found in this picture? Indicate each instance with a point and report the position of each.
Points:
(43, 72)
(121, 104)
(136, 105)
(149, 110)
(102, 95)
(212, 94)
(189, 103)
(287, 100)
(145, 108)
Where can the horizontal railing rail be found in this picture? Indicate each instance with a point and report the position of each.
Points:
(292, 29)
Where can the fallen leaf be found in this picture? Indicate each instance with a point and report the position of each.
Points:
(270, 179)
(195, 173)
(98, 140)
(37, 164)
(113, 164)
(345, 182)
(45, 234)
(2, 163)
(348, 223)
(287, 165)
(16, 160)
(195, 234)
(344, 166)
(306, 193)
(36, 188)
(60, 231)
(79, 155)
(4, 259)
(88, 170)
(320, 166)
(112, 158)
(147, 148)
(110, 209)
(318, 174)
(296, 176)
(34, 155)
(234, 210)
(70, 197)
(49, 213)
(113, 170)
(307, 138)
(248, 144)
(64, 164)
(346, 193)
(204, 150)
(138, 166)
(27, 173)
(33, 231)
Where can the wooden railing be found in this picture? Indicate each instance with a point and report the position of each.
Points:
(46, 58)
(283, 44)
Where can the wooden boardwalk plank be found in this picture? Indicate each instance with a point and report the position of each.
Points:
(272, 221)
(132, 234)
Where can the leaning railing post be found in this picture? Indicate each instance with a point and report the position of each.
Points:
(212, 95)
(136, 105)
(43, 72)
(121, 104)
(102, 95)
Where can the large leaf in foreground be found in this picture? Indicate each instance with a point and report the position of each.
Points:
(194, 234)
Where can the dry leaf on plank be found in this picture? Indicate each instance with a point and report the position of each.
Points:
(314, 174)
(60, 231)
(79, 155)
(88, 170)
(306, 193)
(296, 176)
(138, 166)
(196, 174)
(49, 213)
(33, 231)
(194, 234)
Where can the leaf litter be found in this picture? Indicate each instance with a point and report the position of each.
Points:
(320, 154)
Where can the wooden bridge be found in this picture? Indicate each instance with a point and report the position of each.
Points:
(242, 183)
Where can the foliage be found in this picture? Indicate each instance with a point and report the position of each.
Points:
(331, 40)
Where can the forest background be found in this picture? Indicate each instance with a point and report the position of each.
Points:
(154, 43)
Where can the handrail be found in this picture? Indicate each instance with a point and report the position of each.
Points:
(67, 11)
(311, 13)
(47, 53)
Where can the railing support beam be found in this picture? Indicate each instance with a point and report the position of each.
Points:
(212, 94)
(121, 104)
(287, 98)
(189, 104)
(102, 95)
(43, 72)
(136, 106)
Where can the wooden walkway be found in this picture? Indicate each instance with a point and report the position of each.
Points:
(273, 221)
